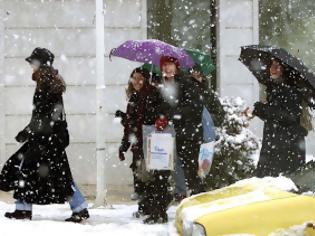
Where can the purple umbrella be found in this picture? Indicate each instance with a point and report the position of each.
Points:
(150, 51)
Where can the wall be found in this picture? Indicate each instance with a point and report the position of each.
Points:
(237, 26)
(67, 28)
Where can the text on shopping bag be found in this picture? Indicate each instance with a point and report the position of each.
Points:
(160, 152)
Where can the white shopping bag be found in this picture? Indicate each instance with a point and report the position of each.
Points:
(205, 158)
(160, 151)
(164, 142)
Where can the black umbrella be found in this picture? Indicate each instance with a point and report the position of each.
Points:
(257, 58)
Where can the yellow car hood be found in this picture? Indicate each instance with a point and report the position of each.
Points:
(242, 207)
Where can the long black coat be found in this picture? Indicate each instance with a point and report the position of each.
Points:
(39, 171)
(185, 107)
(283, 146)
(182, 101)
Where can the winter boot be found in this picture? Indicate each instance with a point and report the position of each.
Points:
(138, 214)
(19, 215)
(156, 219)
(78, 217)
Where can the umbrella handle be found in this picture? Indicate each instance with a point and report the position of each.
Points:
(151, 74)
(111, 53)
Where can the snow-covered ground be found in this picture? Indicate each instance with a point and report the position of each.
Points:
(118, 220)
(49, 221)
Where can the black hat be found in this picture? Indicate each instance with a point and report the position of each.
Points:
(43, 55)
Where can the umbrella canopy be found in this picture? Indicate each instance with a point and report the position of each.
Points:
(152, 68)
(202, 60)
(257, 58)
(150, 51)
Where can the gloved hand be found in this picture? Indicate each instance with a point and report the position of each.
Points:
(161, 123)
(22, 136)
(120, 114)
(259, 108)
(121, 155)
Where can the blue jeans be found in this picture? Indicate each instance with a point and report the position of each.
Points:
(77, 202)
(180, 183)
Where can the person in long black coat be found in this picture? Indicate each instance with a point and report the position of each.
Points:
(137, 92)
(182, 100)
(283, 145)
(39, 171)
(155, 189)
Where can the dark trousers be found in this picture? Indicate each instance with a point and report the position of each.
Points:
(137, 182)
(157, 195)
(188, 152)
(139, 186)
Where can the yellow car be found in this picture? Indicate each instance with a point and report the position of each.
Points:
(258, 207)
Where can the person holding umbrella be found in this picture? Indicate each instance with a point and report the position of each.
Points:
(283, 112)
(199, 72)
(39, 171)
(183, 100)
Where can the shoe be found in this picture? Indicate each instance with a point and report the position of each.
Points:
(161, 219)
(78, 217)
(19, 215)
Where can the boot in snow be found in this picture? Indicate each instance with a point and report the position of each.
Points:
(156, 219)
(19, 215)
(78, 217)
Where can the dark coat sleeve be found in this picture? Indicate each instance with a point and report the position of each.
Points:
(156, 107)
(287, 114)
(46, 107)
(186, 98)
(129, 124)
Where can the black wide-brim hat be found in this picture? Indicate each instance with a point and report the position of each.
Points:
(43, 55)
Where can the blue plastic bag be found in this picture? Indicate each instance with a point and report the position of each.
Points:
(208, 126)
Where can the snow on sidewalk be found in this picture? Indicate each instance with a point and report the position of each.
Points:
(49, 221)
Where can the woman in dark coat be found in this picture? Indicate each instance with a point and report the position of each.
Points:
(283, 146)
(39, 171)
(155, 189)
(183, 100)
(137, 92)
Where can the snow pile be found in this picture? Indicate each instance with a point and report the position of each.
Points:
(236, 148)
(49, 220)
(309, 158)
(297, 230)
(281, 183)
